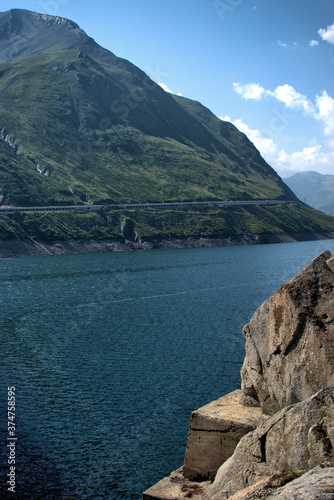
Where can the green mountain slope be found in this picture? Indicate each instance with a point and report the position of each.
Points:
(77, 123)
(21, 184)
(100, 128)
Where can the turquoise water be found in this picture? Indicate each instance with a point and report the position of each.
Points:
(110, 353)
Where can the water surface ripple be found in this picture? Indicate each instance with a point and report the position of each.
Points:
(110, 353)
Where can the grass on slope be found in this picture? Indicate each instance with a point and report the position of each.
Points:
(21, 184)
(166, 224)
(231, 221)
(58, 108)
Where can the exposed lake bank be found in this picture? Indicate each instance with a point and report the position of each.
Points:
(43, 233)
(30, 248)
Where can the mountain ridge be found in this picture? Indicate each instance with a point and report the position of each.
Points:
(20, 25)
(126, 128)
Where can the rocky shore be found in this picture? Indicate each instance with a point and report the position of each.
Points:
(274, 437)
(24, 248)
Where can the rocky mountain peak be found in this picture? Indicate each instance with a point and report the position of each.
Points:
(17, 21)
(53, 19)
(24, 33)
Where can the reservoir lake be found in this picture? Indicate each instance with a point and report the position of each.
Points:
(110, 353)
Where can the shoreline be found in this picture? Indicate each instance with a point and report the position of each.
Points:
(31, 248)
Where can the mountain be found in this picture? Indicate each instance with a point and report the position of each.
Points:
(317, 190)
(79, 124)
(96, 128)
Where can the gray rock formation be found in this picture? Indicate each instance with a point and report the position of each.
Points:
(176, 487)
(317, 484)
(290, 339)
(297, 438)
(128, 231)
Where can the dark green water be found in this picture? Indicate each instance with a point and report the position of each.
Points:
(110, 353)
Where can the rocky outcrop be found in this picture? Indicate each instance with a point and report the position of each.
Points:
(176, 487)
(4, 134)
(215, 430)
(290, 339)
(128, 230)
(317, 484)
(42, 170)
(297, 438)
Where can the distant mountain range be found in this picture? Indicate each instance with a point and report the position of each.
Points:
(317, 190)
(96, 127)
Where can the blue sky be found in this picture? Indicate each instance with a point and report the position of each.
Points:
(265, 65)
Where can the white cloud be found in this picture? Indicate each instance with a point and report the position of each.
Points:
(322, 110)
(308, 154)
(327, 34)
(293, 46)
(325, 112)
(291, 98)
(284, 93)
(313, 43)
(310, 158)
(166, 89)
(250, 90)
(164, 86)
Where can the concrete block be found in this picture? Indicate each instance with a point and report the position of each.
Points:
(215, 430)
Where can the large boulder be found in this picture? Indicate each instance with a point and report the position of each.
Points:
(297, 438)
(290, 340)
(317, 484)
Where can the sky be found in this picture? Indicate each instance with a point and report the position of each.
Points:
(265, 65)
